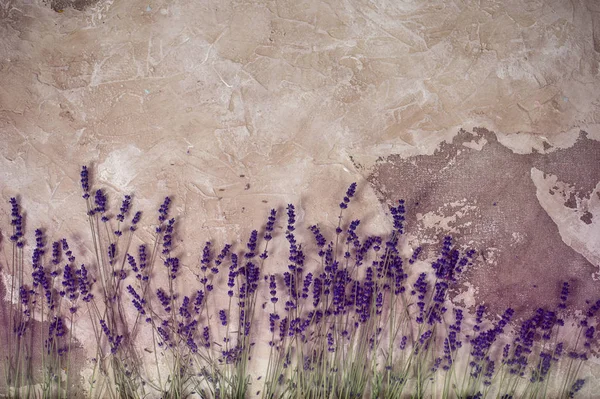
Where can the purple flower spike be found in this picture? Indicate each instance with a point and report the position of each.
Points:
(349, 194)
(137, 301)
(576, 387)
(17, 222)
(270, 224)
(111, 253)
(100, 200)
(198, 302)
(135, 221)
(291, 212)
(85, 186)
(205, 256)
(222, 255)
(164, 299)
(273, 288)
(163, 212)
(168, 237)
(206, 336)
(184, 308)
(125, 205)
(223, 317)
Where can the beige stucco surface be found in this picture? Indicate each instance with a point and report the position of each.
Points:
(237, 107)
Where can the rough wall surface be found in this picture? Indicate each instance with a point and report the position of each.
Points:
(482, 115)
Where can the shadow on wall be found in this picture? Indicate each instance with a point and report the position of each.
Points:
(61, 5)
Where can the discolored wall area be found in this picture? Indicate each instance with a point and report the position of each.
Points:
(482, 115)
(494, 200)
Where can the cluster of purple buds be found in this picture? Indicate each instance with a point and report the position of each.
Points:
(576, 387)
(172, 265)
(135, 220)
(291, 217)
(270, 224)
(39, 238)
(38, 251)
(306, 286)
(111, 253)
(184, 309)
(205, 257)
(223, 317)
(320, 240)
(85, 186)
(352, 237)
(415, 255)
(125, 205)
(56, 328)
(115, 341)
(163, 212)
(251, 245)
(273, 288)
(100, 201)
(232, 274)
(273, 317)
(398, 216)
(68, 252)
(198, 301)
(206, 336)
(478, 317)
(142, 266)
(349, 194)
(17, 222)
(55, 253)
(164, 335)
(221, 257)
(69, 283)
(165, 300)
(137, 301)
(85, 284)
(420, 287)
(168, 237)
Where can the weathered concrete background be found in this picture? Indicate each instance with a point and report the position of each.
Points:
(235, 107)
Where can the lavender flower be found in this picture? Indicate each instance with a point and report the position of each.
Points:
(100, 201)
(273, 289)
(172, 265)
(165, 300)
(125, 205)
(349, 194)
(137, 301)
(398, 216)
(16, 222)
(205, 256)
(198, 301)
(184, 308)
(163, 212)
(270, 224)
(85, 186)
(111, 253)
(206, 336)
(251, 245)
(135, 221)
(223, 317)
(291, 217)
(221, 256)
(167, 237)
(576, 387)
(55, 253)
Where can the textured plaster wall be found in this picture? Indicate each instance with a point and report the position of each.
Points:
(235, 107)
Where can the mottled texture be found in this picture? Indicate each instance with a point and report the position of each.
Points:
(237, 107)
